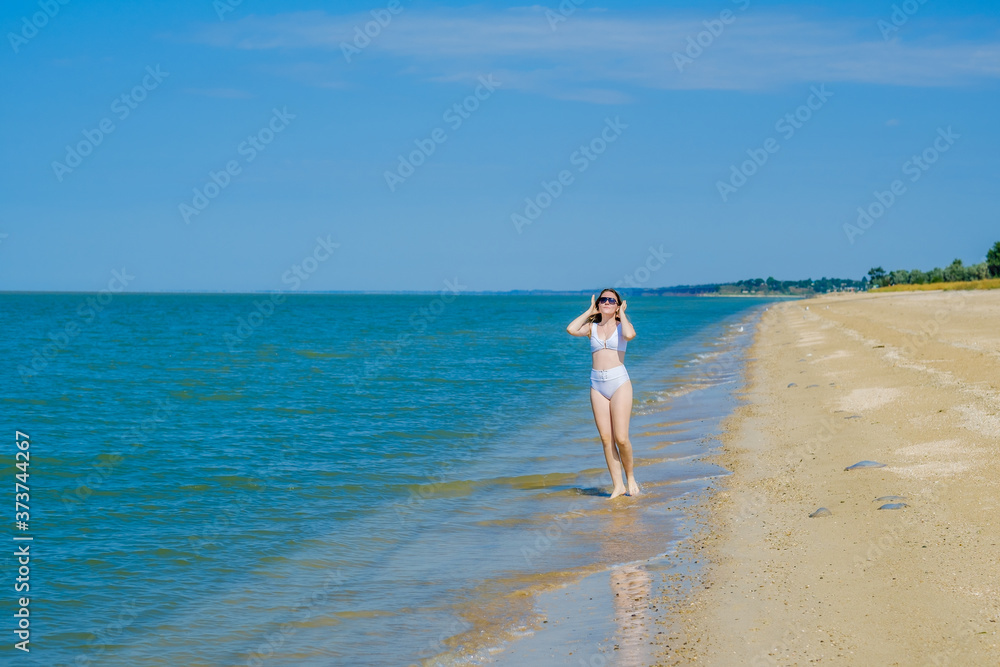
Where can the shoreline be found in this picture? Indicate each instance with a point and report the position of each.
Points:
(910, 380)
(606, 614)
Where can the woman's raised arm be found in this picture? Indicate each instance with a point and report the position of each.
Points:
(580, 326)
(628, 331)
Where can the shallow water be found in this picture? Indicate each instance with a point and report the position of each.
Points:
(295, 490)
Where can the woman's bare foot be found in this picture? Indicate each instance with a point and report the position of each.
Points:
(617, 491)
(633, 488)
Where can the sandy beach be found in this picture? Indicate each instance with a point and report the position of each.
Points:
(909, 380)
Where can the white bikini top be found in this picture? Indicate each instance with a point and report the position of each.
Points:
(614, 342)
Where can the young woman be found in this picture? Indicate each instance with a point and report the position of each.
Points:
(610, 388)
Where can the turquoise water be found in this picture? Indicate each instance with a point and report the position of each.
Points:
(337, 479)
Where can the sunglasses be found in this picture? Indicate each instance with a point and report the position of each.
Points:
(608, 299)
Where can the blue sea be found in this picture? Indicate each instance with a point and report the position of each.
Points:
(338, 479)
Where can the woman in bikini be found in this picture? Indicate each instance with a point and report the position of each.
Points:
(610, 388)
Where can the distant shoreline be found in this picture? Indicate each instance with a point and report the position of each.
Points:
(414, 292)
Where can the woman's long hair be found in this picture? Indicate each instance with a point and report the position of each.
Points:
(596, 317)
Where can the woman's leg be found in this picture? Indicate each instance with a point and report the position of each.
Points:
(602, 417)
(621, 412)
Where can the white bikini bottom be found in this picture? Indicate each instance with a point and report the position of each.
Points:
(607, 382)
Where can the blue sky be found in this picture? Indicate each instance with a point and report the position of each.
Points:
(643, 109)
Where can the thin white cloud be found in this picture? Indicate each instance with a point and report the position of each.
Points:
(604, 57)
(317, 74)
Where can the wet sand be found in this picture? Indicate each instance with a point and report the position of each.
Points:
(910, 380)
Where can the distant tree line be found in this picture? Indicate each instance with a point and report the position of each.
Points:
(955, 272)
(796, 286)
(762, 287)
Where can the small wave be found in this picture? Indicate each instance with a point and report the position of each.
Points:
(312, 354)
(464, 487)
(220, 396)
